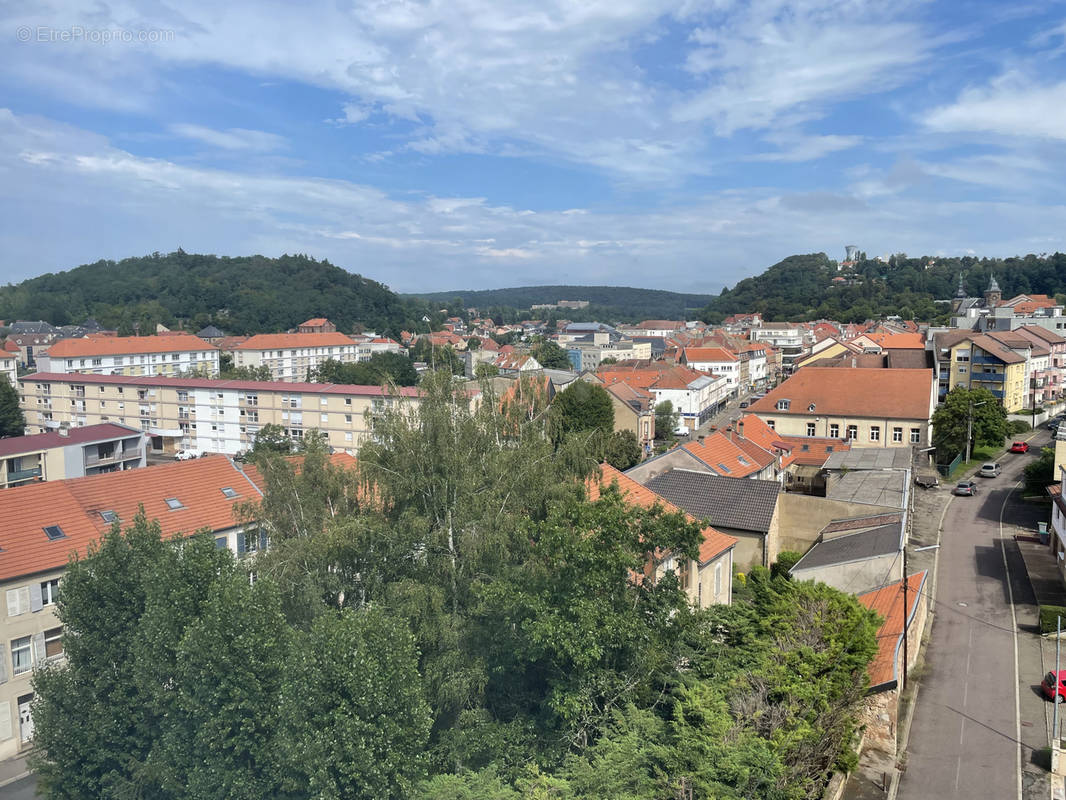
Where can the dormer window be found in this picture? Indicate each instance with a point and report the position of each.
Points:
(810, 407)
(783, 405)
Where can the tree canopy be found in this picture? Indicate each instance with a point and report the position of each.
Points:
(952, 417)
(383, 368)
(12, 420)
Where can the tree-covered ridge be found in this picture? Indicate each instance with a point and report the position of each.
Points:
(801, 287)
(614, 302)
(242, 295)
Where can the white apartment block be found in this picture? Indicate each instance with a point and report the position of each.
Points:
(172, 354)
(212, 416)
(9, 364)
(291, 356)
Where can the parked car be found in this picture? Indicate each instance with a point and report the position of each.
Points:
(1048, 686)
(965, 488)
(1020, 447)
(989, 470)
(745, 403)
(186, 455)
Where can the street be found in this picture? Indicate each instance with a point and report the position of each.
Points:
(979, 727)
(22, 789)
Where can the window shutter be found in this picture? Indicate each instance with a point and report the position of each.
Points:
(24, 599)
(5, 721)
(36, 600)
(240, 543)
(38, 648)
(262, 540)
(12, 602)
(3, 663)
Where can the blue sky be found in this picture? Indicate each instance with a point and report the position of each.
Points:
(678, 144)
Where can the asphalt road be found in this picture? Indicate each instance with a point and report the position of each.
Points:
(978, 721)
(24, 789)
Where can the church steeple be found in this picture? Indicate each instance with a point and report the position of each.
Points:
(993, 294)
(961, 291)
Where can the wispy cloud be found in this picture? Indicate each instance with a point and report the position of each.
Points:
(1014, 104)
(231, 138)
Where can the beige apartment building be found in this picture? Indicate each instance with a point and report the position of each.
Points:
(209, 416)
(70, 453)
(172, 354)
(291, 356)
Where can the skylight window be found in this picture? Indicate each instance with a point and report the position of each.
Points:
(723, 467)
(174, 503)
(54, 532)
(229, 491)
(743, 461)
(109, 516)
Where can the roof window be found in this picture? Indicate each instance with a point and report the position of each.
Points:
(723, 467)
(54, 532)
(109, 516)
(174, 503)
(229, 491)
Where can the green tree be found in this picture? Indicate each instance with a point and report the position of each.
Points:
(550, 356)
(581, 406)
(356, 719)
(12, 420)
(952, 417)
(1040, 472)
(666, 420)
(382, 368)
(271, 438)
(620, 449)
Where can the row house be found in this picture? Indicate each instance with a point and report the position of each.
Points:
(706, 579)
(293, 356)
(871, 407)
(172, 354)
(71, 453)
(43, 524)
(211, 416)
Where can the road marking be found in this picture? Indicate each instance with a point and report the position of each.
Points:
(1014, 628)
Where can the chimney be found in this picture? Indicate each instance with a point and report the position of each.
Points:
(854, 362)
(740, 426)
(700, 438)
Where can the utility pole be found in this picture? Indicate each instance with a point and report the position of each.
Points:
(969, 426)
(906, 655)
(1058, 687)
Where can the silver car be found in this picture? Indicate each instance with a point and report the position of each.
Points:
(989, 470)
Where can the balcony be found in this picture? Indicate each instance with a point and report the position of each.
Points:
(23, 475)
(985, 360)
(989, 377)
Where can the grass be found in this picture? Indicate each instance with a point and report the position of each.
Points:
(978, 456)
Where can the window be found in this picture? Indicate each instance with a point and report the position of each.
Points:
(109, 516)
(229, 491)
(53, 643)
(347, 401)
(325, 418)
(810, 429)
(897, 434)
(853, 431)
(962, 369)
(54, 532)
(347, 436)
(220, 543)
(783, 405)
(174, 503)
(770, 424)
(805, 448)
(21, 660)
(834, 431)
(724, 468)
(916, 435)
(717, 579)
(18, 601)
(348, 419)
(49, 591)
(875, 433)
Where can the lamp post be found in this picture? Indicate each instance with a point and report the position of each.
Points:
(969, 427)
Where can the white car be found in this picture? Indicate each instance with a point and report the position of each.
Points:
(186, 455)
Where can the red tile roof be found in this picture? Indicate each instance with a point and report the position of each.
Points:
(726, 456)
(270, 341)
(884, 393)
(125, 345)
(888, 603)
(714, 542)
(898, 341)
(10, 346)
(704, 354)
(75, 506)
(83, 435)
(317, 322)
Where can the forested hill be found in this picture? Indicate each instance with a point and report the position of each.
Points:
(240, 295)
(615, 302)
(801, 287)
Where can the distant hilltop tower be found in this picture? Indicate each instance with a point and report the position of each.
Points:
(851, 252)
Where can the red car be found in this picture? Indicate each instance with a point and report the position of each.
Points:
(1020, 447)
(1047, 686)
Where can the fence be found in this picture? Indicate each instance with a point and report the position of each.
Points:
(947, 469)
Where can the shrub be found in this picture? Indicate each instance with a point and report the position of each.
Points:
(786, 560)
(1049, 618)
(1018, 426)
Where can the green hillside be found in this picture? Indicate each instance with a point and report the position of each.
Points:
(240, 295)
(801, 287)
(610, 302)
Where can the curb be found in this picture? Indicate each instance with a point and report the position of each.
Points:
(14, 778)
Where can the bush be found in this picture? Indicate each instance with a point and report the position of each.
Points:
(786, 560)
(1018, 426)
(1049, 618)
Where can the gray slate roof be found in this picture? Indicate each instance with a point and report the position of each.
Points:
(871, 543)
(210, 332)
(873, 487)
(744, 504)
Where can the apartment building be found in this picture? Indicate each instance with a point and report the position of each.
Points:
(212, 416)
(979, 361)
(9, 362)
(43, 524)
(172, 354)
(696, 396)
(787, 338)
(71, 453)
(291, 356)
(869, 407)
(715, 360)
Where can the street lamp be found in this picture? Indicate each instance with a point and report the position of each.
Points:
(969, 426)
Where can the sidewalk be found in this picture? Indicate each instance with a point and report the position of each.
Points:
(12, 770)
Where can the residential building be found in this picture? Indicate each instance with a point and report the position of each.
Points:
(719, 453)
(212, 416)
(292, 356)
(1046, 384)
(31, 345)
(172, 354)
(696, 396)
(716, 361)
(653, 327)
(708, 579)
(855, 555)
(875, 407)
(587, 350)
(211, 334)
(71, 453)
(801, 457)
(317, 325)
(634, 410)
(43, 524)
(516, 364)
(787, 338)
(992, 313)
(9, 362)
(974, 360)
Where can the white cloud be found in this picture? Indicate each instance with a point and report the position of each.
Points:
(806, 148)
(231, 138)
(1013, 104)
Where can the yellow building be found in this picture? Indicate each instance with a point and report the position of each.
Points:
(977, 361)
